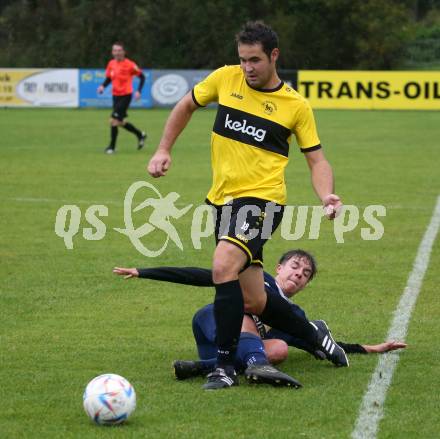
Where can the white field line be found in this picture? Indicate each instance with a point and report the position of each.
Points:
(372, 407)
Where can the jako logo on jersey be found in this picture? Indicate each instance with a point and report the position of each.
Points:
(235, 125)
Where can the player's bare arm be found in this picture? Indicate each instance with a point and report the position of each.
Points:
(323, 182)
(177, 121)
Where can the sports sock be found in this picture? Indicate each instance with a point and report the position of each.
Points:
(129, 127)
(250, 350)
(280, 314)
(207, 365)
(113, 136)
(228, 313)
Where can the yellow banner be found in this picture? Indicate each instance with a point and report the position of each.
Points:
(9, 80)
(39, 87)
(392, 90)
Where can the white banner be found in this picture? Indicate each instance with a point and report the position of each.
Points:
(41, 88)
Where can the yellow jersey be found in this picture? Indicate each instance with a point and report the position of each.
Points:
(251, 135)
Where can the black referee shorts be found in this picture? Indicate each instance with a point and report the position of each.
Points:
(120, 107)
(248, 223)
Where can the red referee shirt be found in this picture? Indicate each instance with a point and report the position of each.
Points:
(121, 74)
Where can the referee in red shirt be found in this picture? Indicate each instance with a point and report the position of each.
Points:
(120, 72)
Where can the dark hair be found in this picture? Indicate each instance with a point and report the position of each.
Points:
(119, 43)
(300, 254)
(254, 32)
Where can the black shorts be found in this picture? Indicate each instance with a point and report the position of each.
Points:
(120, 106)
(248, 223)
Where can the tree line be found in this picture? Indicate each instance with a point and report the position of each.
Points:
(314, 34)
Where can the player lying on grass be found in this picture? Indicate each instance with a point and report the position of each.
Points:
(256, 345)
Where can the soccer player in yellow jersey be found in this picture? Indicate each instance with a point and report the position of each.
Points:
(256, 117)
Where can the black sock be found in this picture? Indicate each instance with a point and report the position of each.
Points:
(113, 136)
(129, 127)
(228, 312)
(280, 314)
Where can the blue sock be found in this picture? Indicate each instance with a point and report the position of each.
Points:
(208, 365)
(250, 350)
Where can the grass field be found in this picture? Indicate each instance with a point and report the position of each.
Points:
(66, 318)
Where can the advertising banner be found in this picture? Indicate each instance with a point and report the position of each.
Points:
(39, 87)
(169, 86)
(90, 79)
(372, 90)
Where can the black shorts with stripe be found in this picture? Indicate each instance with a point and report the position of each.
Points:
(120, 106)
(248, 223)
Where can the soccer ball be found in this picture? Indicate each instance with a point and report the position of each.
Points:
(109, 399)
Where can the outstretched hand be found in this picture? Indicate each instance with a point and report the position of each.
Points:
(387, 346)
(128, 273)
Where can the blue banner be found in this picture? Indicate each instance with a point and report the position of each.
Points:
(89, 81)
(169, 86)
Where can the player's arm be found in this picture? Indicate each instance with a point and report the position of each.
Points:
(320, 169)
(107, 79)
(141, 81)
(323, 181)
(196, 276)
(201, 95)
(349, 348)
(387, 346)
(355, 348)
(199, 277)
(140, 86)
(102, 87)
(177, 121)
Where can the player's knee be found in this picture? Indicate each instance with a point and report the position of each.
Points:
(277, 352)
(253, 303)
(223, 272)
(114, 122)
(227, 263)
(248, 325)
